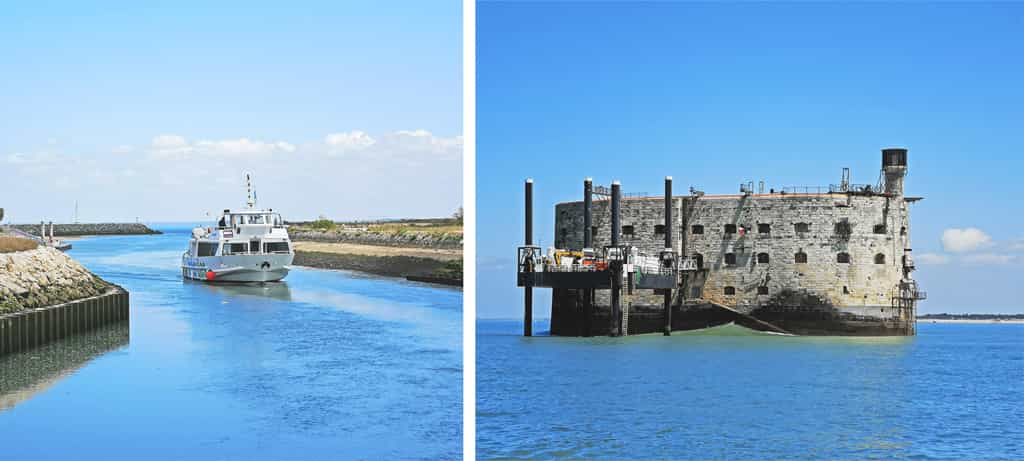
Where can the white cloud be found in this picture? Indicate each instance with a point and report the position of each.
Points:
(932, 258)
(989, 258)
(174, 146)
(352, 140)
(963, 240)
(1017, 245)
(394, 174)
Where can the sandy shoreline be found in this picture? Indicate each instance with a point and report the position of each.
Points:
(1014, 321)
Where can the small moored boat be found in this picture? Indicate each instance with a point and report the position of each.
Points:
(251, 245)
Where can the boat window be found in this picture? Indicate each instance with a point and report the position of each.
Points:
(277, 247)
(236, 248)
(256, 219)
(207, 249)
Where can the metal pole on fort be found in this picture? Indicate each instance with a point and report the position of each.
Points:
(528, 290)
(615, 320)
(668, 249)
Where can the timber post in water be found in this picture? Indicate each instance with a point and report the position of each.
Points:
(528, 240)
(588, 245)
(615, 265)
(668, 256)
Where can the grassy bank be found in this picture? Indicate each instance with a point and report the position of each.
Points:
(417, 233)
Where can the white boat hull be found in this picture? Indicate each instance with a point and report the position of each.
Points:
(237, 268)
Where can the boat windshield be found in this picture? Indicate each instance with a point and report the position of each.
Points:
(233, 220)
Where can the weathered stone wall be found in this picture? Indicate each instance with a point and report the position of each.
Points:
(43, 277)
(860, 286)
(69, 230)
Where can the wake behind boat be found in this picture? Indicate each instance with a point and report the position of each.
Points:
(251, 245)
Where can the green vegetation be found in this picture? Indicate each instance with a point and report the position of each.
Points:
(323, 224)
(414, 229)
(451, 270)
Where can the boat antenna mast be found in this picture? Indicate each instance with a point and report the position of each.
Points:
(250, 193)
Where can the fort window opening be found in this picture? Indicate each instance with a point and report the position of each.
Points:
(843, 228)
(699, 260)
(846, 290)
(762, 290)
(627, 230)
(730, 258)
(843, 258)
(730, 228)
(762, 258)
(800, 257)
(764, 228)
(903, 231)
(696, 229)
(879, 229)
(659, 229)
(593, 231)
(802, 227)
(729, 291)
(879, 258)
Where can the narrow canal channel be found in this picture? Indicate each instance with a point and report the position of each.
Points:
(327, 364)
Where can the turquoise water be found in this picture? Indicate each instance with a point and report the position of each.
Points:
(327, 365)
(953, 392)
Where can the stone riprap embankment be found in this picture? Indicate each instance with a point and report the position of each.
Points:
(72, 230)
(43, 277)
(418, 240)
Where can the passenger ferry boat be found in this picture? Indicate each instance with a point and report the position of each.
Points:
(251, 245)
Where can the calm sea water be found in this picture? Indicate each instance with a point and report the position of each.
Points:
(327, 365)
(953, 392)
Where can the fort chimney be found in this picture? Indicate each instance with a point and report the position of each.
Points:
(894, 166)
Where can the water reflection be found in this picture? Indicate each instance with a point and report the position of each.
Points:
(272, 290)
(26, 374)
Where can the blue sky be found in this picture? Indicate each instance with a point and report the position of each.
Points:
(717, 94)
(128, 107)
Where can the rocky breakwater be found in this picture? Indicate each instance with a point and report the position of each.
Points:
(45, 295)
(43, 277)
(73, 230)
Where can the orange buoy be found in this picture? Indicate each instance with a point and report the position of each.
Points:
(210, 275)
